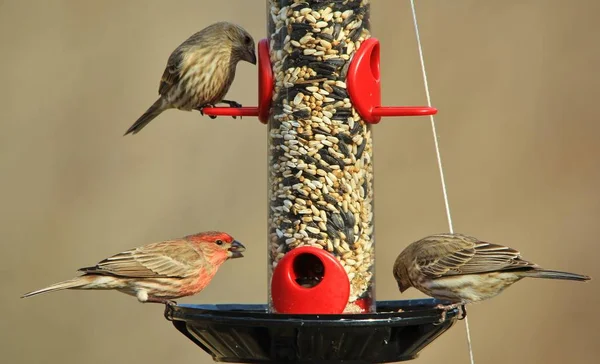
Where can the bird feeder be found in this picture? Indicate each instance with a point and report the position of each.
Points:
(319, 93)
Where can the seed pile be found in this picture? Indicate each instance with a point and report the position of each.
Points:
(320, 151)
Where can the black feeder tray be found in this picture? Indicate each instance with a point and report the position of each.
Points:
(238, 333)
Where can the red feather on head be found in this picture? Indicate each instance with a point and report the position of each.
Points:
(210, 237)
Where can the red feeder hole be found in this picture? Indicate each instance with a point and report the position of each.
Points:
(309, 280)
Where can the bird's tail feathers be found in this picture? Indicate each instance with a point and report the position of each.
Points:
(81, 282)
(555, 274)
(153, 111)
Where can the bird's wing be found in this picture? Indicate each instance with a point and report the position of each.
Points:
(466, 256)
(165, 259)
(172, 74)
(176, 63)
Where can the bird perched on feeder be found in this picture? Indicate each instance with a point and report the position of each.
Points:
(463, 269)
(158, 272)
(200, 71)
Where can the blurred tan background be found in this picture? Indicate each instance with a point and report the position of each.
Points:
(516, 84)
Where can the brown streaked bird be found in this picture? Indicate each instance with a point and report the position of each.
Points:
(158, 272)
(463, 269)
(200, 71)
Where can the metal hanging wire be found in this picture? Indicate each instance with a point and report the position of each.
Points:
(438, 154)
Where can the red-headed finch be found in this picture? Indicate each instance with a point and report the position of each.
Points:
(463, 269)
(200, 71)
(159, 272)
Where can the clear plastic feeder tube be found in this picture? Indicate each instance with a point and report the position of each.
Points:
(320, 152)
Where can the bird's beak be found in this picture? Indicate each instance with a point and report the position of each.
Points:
(252, 57)
(236, 249)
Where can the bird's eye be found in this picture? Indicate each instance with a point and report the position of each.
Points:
(219, 242)
(248, 40)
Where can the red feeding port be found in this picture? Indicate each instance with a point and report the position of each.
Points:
(265, 90)
(308, 280)
(364, 87)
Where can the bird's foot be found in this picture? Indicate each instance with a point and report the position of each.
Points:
(201, 109)
(446, 308)
(441, 320)
(463, 312)
(231, 104)
(164, 301)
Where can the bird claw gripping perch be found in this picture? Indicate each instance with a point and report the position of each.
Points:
(201, 109)
(230, 103)
(446, 308)
(233, 104)
(463, 312)
(166, 302)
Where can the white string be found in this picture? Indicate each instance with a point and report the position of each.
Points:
(439, 157)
